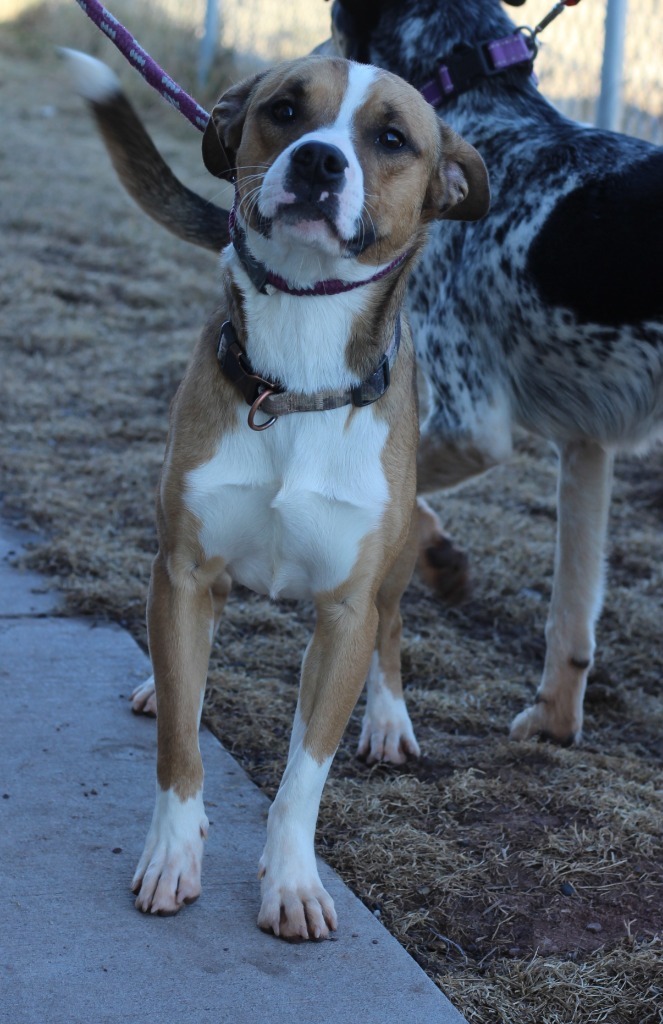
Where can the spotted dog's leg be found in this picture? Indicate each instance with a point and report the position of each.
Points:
(583, 504)
(442, 567)
(457, 444)
(386, 732)
(295, 904)
(143, 698)
(448, 456)
(181, 615)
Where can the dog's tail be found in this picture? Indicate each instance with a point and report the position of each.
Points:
(140, 167)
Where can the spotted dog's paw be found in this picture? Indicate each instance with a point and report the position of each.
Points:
(549, 719)
(442, 567)
(445, 569)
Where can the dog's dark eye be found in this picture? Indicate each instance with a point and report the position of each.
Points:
(283, 111)
(391, 139)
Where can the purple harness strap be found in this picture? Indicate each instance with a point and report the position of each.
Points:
(143, 63)
(459, 71)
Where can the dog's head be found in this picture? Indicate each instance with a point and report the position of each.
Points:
(354, 22)
(343, 157)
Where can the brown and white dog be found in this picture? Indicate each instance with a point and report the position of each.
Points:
(338, 167)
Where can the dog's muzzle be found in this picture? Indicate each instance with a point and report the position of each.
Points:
(316, 177)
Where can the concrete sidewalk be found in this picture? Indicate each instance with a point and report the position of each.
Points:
(76, 791)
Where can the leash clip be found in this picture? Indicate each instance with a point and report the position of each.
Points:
(530, 35)
(555, 12)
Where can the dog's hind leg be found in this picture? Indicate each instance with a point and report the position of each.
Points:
(386, 732)
(144, 698)
(295, 904)
(181, 618)
(583, 504)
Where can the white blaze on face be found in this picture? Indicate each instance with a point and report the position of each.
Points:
(351, 199)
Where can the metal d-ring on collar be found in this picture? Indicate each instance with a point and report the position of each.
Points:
(273, 399)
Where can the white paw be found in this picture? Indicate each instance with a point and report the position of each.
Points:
(169, 871)
(295, 905)
(144, 698)
(386, 731)
(547, 718)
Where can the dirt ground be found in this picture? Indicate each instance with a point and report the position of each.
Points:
(527, 880)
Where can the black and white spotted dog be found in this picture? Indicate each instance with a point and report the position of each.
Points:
(546, 315)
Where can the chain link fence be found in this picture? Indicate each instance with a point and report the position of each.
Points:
(568, 65)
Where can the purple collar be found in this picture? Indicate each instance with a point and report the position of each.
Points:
(461, 71)
(261, 276)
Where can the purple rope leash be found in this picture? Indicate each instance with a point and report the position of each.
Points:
(143, 63)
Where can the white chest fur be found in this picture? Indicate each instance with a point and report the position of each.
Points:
(301, 341)
(287, 508)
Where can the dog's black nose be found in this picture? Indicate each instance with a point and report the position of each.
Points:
(319, 163)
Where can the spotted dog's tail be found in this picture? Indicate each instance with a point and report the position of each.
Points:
(139, 165)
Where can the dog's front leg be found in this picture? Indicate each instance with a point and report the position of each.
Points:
(386, 731)
(144, 697)
(180, 625)
(294, 903)
(583, 503)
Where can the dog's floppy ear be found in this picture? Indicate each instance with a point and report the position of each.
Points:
(459, 188)
(224, 130)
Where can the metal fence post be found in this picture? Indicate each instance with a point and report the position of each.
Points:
(209, 42)
(609, 108)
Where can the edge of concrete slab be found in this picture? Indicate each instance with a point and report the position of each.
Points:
(77, 772)
(28, 593)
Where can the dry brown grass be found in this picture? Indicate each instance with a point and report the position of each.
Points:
(492, 862)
